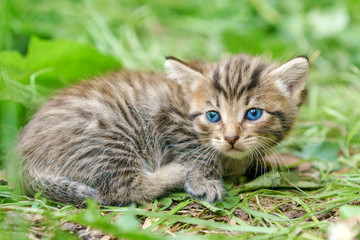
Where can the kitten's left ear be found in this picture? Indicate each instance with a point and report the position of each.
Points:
(292, 75)
(183, 72)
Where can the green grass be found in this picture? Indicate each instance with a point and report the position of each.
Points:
(47, 45)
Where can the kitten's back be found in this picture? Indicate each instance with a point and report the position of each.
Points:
(87, 136)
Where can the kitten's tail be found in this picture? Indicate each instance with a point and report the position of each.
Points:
(60, 189)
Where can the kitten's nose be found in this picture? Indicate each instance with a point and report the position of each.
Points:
(231, 139)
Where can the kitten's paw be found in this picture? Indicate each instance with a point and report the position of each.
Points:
(205, 189)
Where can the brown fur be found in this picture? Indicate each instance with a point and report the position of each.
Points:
(134, 136)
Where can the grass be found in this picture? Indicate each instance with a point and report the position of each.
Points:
(47, 45)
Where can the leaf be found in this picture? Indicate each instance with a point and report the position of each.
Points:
(349, 211)
(70, 59)
(60, 235)
(166, 202)
(196, 221)
(322, 150)
(210, 206)
(37, 195)
(15, 91)
(281, 180)
(49, 65)
(293, 180)
(230, 202)
(264, 215)
(231, 199)
(179, 196)
(267, 180)
(324, 155)
(128, 222)
(125, 228)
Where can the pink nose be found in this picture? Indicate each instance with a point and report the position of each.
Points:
(231, 139)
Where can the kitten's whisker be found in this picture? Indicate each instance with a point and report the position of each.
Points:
(196, 149)
(260, 155)
(188, 143)
(210, 159)
(205, 159)
(268, 148)
(272, 140)
(254, 151)
(276, 154)
(196, 162)
(261, 159)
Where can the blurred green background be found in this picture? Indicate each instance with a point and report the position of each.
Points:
(46, 45)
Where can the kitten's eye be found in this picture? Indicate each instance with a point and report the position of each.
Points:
(253, 114)
(213, 116)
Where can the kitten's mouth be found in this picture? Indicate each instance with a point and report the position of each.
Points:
(235, 153)
(234, 150)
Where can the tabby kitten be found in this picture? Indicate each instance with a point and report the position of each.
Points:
(131, 137)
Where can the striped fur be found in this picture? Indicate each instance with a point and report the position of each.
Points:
(131, 137)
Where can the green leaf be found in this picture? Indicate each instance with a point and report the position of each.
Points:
(230, 202)
(349, 211)
(60, 235)
(196, 221)
(210, 206)
(128, 222)
(275, 179)
(261, 214)
(70, 59)
(294, 180)
(268, 180)
(49, 65)
(322, 150)
(166, 203)
(324, 155)
(179, 196)
(125, 227)
(37, 195)
(15, 91)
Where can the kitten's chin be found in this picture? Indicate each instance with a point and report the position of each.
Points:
(234, 153)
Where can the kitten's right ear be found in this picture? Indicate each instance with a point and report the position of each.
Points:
(291, 76)
(181, 71)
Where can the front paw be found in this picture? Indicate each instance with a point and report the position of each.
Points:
(205, 189)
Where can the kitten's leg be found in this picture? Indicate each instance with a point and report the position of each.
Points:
(203, 179)
(143, 186)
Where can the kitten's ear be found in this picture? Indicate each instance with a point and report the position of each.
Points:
(292, 75)
(181, 71)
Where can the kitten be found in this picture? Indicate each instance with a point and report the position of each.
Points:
(131, 137)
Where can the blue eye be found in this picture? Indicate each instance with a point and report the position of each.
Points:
(213, 116)
(253, 114)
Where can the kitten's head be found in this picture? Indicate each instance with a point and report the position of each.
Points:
(243, 103)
